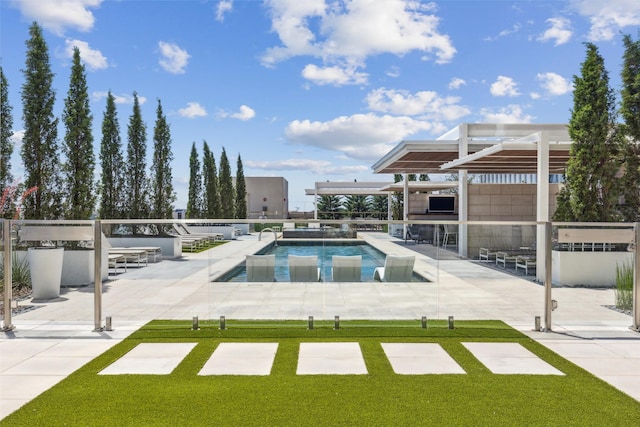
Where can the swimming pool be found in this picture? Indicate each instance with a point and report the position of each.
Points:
(324, 250)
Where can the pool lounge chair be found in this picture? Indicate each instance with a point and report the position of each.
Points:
(304, 268)
(346, 268)
(396, 269)
(261, 268)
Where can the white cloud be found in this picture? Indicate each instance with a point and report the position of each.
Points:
(16, 138)
(554, 84)
(504, 86)
(559, 31)
(58, 15)
(393, 71)
(348, 32)
(192, 110)
(173, 59)
(97, 96)
(457, 83)
(426, 104)
(510, 114)
(317, 167)
(609, 17)
(535, 95)
(224, 6)
(245, 113)
(360, 136)
(335, 75)
(94, 59)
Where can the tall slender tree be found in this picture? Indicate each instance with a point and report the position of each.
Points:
(40, 151)
(357, 205)
(136, 175)
(194, 202)
(630, 111)
(211, 202)
(6, 131)
(162, 193)
(112, 199)
(78, 145)
(241, 191)
(590, 192)
(227, 196)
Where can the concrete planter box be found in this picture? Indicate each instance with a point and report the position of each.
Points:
(171, 247)
(45, 266)
(78, 266)
(590, 269)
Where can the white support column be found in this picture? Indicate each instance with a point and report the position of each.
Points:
(315, 203)
(542, 201)
(405, 204)
(463, 192)
(389, 212)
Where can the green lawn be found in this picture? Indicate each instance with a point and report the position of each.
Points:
(380, 398)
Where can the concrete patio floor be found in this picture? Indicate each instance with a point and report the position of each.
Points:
(56, 337)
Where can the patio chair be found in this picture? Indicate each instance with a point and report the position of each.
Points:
(396, 269)
(304, 268)
(261, 268)
(346, 268)
(449, 231)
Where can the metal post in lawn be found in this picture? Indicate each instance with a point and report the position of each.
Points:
(8, 275)
(548, 304)
(636, 279)
(97, 276)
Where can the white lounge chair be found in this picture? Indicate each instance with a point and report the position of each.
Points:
(346, 268)
(396, 269)
(304, 268)
(261, 268)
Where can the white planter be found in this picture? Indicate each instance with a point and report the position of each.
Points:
(45, 265)
(78, 266)
(591, 269)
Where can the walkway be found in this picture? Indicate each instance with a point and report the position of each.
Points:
(55, 338)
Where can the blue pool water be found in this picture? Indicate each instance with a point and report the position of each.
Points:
(371, 258)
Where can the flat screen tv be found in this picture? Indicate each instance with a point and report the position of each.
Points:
(442, 204)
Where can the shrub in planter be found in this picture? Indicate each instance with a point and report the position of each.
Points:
(624, 286)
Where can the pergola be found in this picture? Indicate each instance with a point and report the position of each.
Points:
(486, 148)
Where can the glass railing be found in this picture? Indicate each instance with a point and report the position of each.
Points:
(520, 272)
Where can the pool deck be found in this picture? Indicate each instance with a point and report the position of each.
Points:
(55, 338)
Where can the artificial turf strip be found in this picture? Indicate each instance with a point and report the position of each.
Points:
(283, 398)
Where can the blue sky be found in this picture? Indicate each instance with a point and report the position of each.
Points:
(315, 90)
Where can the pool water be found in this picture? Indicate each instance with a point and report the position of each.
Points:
(371, 258)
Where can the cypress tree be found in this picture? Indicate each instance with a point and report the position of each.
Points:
(136, 176)
(162, 193)
(226, 188)
(78, 145)
(39, 151)
(241, 192)
(194, 202)
(590, 185)
(6, 131)
(211, 202)
(630, 111)
(112, 200)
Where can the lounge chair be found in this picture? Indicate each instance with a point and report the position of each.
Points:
(396, 269)
(346, 268)
(261, 268)
(304, 268)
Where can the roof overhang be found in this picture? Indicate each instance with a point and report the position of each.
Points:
(423, 186)
(416, 157)
(512, 157)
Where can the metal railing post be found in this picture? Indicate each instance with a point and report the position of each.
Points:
(8, 276)
(548, 305)
(636, 279)
(97, 276)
